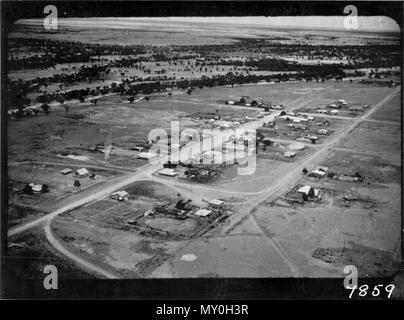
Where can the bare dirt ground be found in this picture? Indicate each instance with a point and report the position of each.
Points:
(30, 253)
(381, 139)
(275, 241)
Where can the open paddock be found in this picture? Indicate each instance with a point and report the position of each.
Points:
(379, 139)
(391, 111)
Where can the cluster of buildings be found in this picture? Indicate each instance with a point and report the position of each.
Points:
(335, 107)
(80, 173)
(243, 101)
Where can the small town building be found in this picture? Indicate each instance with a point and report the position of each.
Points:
(168, 172)
(334, 112)
(36, 188)
(203, 212)
(322, 111)
(289, 154)
(347, 178)
(322, 131)
(312, 137)
(145, 155)
(303, 139)
(120, 195)
(306, 189)
(317, 173)
(342, 103)
(83, 172)
(216, 203)
(66, 171)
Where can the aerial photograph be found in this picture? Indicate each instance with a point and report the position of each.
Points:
(204, 147)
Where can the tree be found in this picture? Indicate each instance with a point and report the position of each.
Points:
(28, 189)
(311, 193)
(45, 188)
(45, 108)
(305, 171)
(77, 184)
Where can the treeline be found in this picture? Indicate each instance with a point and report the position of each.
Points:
(129, 88)
(52, 52)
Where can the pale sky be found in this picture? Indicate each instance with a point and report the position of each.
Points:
(371, 23)
(376, 23)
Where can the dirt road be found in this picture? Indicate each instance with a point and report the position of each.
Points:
(275, 190)
(144, 173)
(83, 263)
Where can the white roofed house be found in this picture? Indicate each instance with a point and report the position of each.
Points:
(120, 195)
(334, 112)
(333, 106)
(322, 131)
(309, 192)
(66, 171)
(318, 173)
(289, 154)
(145, 155)
(342, 103)
(168, 172)
(83, 172)
(203, 212)
(36, 188)
(356, 108)
(216, 203)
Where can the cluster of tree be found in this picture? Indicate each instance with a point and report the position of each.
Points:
(52, 52)
(128, 87)
(17, 91)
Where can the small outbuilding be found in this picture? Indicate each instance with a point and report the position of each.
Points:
(216, 203)
(145, 155)
(120, 195)
(306, 190)
(169, 172)
(317, 173)
(289, 154)
(66, 171)
(83, 172)
(203, 212)
(36, 188)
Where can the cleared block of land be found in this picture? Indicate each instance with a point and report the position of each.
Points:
(391, 111)
(367, 222)
(380, 139)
